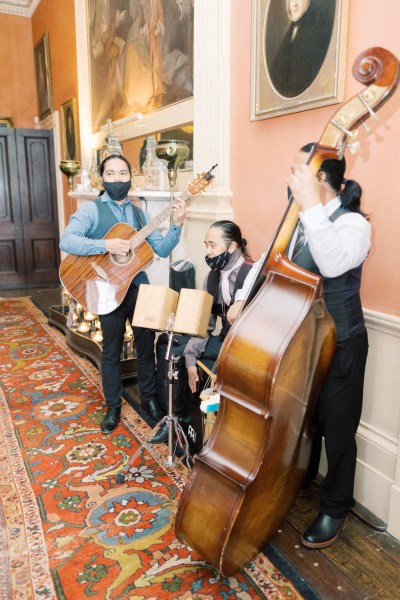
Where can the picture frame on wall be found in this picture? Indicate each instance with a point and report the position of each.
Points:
(70, 130)
(6, 122)
(298, 55)
(142, 54)
(43, 76)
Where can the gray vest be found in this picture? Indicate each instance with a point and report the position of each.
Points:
(107, 219)
(341, 294)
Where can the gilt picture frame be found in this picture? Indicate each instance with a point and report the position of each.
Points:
(43, 76)
(70, 130)
(298, 55)
(6, 122)
(142, 53)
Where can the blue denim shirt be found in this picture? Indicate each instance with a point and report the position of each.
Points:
(84, 222)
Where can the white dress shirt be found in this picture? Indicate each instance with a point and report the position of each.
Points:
(336, 247)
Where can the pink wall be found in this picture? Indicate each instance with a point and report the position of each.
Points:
(262, 151)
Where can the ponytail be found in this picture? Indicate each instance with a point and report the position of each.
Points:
(243, 245)
(350, 196)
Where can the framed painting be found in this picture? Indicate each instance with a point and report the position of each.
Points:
(6, 122)
(298, 55)
(140, 56)
(70, 130)
(43, 76)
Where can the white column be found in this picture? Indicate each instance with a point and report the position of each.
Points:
(211, 122)
(84, 107)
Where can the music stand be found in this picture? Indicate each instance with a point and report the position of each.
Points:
(173, 422)
(191, 316)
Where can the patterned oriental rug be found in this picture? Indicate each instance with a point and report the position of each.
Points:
(67, 531)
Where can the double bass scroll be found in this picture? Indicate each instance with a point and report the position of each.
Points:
(270, 369)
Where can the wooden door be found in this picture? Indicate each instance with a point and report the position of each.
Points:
(29, 240)
(12, 254)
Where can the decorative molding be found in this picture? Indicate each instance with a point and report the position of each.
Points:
(378, 438)
(382, 322)
(169, 117)
(14, 10)
(33, 6)
(21, 8)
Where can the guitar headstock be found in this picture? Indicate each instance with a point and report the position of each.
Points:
(202, 181)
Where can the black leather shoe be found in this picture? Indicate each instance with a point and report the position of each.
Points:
(323, 532)
(154, 411)
(161, 437)
(110, 421)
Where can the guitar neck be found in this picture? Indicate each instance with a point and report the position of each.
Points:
(155, 223)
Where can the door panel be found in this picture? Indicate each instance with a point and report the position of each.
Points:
(29, 236)
(12, 255)
(39, 205)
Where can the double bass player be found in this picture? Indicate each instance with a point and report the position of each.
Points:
(336, 243)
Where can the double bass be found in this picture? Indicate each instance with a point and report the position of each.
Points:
(271, 367)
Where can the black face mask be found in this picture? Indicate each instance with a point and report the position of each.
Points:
(117, 190)
(217, 263)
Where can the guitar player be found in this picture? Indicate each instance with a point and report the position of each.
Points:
(83, 236)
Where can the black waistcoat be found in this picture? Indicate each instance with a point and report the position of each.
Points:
(341, 294)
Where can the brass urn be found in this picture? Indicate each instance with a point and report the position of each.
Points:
(70, 168)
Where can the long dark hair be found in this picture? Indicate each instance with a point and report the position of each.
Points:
(232, 233)
(348, 190)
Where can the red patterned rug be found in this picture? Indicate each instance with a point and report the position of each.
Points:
(67, 531)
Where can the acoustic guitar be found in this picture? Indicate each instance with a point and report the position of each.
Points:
(99, 282)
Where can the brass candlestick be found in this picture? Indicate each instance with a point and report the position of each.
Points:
(70, 168)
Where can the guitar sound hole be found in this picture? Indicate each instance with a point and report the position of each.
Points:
(122, 259)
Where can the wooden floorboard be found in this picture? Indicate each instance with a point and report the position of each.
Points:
(362, 556)
(316, 569)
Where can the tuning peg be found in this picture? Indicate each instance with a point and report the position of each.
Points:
(350, 134)
(353, 147)
(372, 113)
(367, 128)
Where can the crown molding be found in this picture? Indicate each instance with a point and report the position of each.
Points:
(21, 8)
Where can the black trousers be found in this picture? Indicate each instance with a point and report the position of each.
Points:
(336, 418)
(113, 330)
(180, 386)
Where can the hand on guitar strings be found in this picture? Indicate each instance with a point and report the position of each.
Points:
(179, 210)
(118, 246)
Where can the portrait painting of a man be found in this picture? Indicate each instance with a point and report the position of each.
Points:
(298, 51)
(295, 53)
